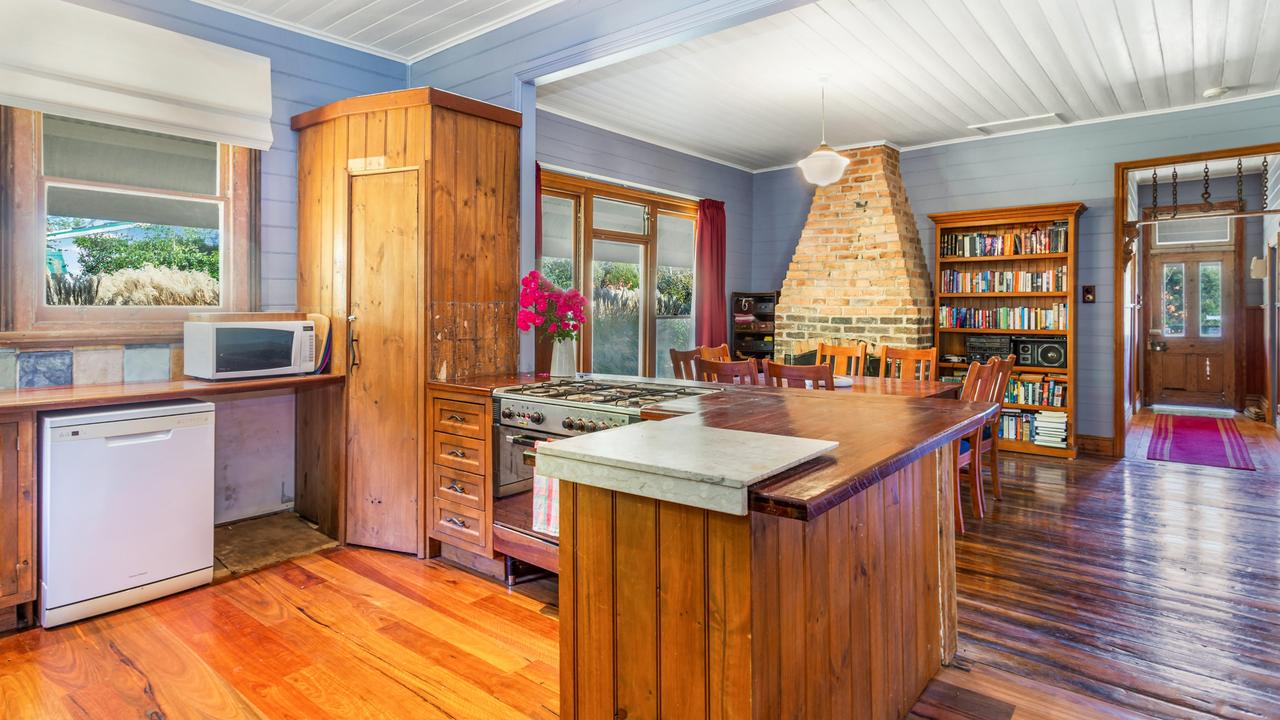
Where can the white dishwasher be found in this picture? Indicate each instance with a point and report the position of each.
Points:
(126, 506)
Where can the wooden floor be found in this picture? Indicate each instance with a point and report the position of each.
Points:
(1095, 589)
(1153, 586)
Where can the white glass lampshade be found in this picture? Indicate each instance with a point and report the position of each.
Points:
(823, 166)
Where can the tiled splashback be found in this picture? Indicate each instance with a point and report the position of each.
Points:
(89, 365)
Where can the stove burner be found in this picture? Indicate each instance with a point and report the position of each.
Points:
(622, 395)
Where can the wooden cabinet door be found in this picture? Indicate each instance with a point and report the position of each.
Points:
(384, 377)
(17, 510)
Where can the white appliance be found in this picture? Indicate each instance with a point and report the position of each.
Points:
(126, 506)
(230, 349)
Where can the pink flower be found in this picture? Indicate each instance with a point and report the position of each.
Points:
(552, 328)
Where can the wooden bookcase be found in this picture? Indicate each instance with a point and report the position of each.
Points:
(1007, 223)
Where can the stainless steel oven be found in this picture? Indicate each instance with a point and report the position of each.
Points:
(510, 444)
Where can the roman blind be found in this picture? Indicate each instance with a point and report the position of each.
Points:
(65, 59)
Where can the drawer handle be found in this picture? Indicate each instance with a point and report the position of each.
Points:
(455, 487)
(456, 418)
(457, 453)
(456, 522)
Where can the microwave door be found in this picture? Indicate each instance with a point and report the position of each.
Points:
(250, 351)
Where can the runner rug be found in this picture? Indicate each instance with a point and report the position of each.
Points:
(1215, 442)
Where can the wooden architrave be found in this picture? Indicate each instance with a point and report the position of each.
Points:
(1121, 261)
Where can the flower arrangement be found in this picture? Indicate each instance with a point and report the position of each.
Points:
(560, 313)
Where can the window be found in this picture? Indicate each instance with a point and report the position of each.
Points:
(1173, 300)
(1210, 292)
(123, 231)
(632, 253)
(1209, 229)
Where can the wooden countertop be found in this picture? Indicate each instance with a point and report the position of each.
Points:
(879, 434)
(73, 396)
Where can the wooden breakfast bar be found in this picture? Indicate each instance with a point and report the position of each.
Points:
(825, 591)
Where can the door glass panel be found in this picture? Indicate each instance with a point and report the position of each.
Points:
(557, 240)
(616, 307)
(675, 290)
(1211, 299)
(620, 216)
(1173, 299)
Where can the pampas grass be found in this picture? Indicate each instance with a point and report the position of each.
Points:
(151, 285)
(147, 285)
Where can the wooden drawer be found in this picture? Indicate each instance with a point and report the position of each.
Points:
(460, 487)
(453, 522)
(460, 453)
(461, 418)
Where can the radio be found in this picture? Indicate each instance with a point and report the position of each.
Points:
(1047, 352)
(980, 348)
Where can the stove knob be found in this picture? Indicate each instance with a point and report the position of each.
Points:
(537, 417)
(567, 423)
(507, 413)
(592, 426)
(580, 424)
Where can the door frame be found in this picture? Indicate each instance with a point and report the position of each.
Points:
(1123, 252)
(1237, 369)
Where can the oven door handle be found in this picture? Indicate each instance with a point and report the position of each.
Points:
(524, 440)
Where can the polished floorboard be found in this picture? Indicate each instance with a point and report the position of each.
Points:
(1096, 588)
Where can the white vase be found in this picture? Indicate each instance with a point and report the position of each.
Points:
(564, 359)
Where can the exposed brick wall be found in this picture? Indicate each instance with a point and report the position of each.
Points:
(858, 272)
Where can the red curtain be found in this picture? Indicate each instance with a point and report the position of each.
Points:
(711, 316)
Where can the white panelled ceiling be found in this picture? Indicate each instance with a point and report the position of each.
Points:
(405, 30)
(921, 71)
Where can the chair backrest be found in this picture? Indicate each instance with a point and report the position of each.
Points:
(819, 377)
(742, 372)
(977, 382)
(719, 352)
(1000, 382)
(682, 363)
(909, 364)
(843, 359)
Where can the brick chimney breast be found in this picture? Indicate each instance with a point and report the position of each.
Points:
(858, 272)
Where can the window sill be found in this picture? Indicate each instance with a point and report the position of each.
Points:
(61, 339)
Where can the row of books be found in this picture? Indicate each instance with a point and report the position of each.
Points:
(1053, 317)
(1044, 390)
(1033, 241)
(954, 281)
(1047, 428)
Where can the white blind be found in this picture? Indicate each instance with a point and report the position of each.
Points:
(62, 58)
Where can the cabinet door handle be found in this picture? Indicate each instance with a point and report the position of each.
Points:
(353, 342)
(456, 418)
(455, 522)
(457, 453)
(455, 487)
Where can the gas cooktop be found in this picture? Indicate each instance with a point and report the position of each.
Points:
(584, 405)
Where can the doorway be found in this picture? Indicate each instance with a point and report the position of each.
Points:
(1192, 272)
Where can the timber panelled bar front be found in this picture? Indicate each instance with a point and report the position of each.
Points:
(824, 591)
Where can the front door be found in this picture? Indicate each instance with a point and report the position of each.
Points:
(1191, 348)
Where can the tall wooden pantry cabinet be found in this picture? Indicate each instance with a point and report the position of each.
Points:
(408, 241)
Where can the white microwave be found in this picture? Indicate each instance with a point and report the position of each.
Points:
(225, 350)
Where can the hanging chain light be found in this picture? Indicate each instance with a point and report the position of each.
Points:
(1205, 204)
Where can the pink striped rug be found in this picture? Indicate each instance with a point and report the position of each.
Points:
(1215, 442)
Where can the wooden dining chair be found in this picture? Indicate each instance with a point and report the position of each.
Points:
(977, 382)
(818, 377)
(844, 359)
(741, 372)
(719, 352)
(682, 363)
(990, 438)
(923, 363)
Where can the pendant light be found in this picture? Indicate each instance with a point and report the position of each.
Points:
(824, 165)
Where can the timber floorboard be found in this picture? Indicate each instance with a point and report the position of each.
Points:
(1097, 588)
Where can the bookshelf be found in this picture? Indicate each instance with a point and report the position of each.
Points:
(1010, 273)
(751, 318)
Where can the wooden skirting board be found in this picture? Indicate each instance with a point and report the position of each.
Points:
(1094, 445)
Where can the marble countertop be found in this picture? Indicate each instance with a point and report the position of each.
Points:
(679, 461)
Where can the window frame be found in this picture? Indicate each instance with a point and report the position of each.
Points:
(25, 319)
(582, 190)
